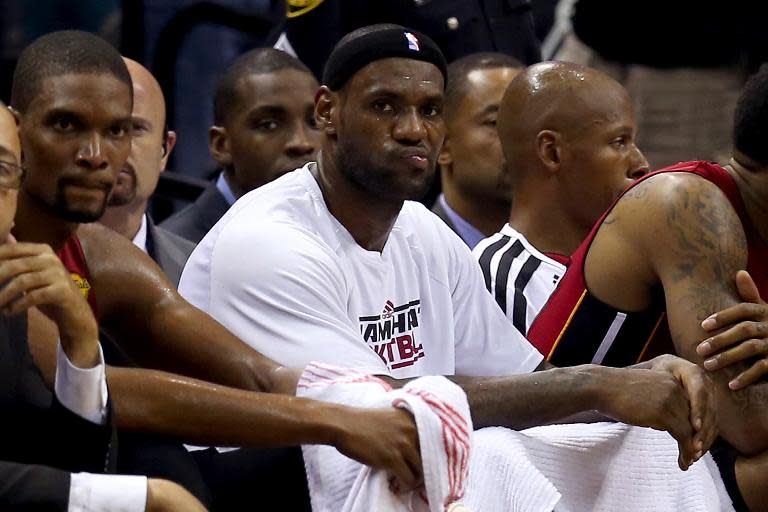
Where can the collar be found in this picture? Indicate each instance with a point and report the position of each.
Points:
(469, 233)
(140, 239)
(223, 186)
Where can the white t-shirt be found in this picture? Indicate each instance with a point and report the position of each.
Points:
(285, 276)
(520, 277)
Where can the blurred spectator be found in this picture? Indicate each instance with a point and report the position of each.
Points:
(475, 198)
(682, 62)
(151, 146)
(264, 127)
(459, 27)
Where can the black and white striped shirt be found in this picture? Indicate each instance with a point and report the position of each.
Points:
(520, 278)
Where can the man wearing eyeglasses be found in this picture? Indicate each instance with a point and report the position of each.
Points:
(54, 444)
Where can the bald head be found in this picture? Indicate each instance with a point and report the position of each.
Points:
(568, 134)
(150, 145)
(558, 97)
(146, 87)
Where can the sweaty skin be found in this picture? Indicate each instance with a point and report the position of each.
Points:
(76, 136)
(679, 232)
(568, 134)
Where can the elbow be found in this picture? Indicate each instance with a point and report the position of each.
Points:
(748, 436)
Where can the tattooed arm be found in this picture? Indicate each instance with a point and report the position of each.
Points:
(680, 231)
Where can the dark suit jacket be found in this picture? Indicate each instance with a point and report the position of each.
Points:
(459, 27)
(194, 221)
(38, 431)
(438, 210)
(169, 251)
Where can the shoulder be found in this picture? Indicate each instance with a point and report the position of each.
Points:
(98, 240)
(416, 219)
(663, 197)
(676, 217)
(111, 255)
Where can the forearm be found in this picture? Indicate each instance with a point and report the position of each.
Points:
(202, 413)
(189, 342)
(743, 414)
(539, 398)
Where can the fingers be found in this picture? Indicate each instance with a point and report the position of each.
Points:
(748, 310)
(748, 348)
(703, 416)
(405, 475)
(747, 288)
(409, 451)
(755, 372)
(745, 330)
(22, 249)
(20, 290)
(412, 456)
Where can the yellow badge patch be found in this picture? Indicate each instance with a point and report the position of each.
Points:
(295, 8)
(82, 283)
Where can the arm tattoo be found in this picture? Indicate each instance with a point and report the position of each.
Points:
(709, 248)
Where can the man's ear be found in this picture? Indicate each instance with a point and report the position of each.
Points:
(549, 149)
(16, 115)
(218, 145)
(444, 158)
(327, 110)
(168, 145)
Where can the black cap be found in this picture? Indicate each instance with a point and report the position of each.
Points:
(368, 44)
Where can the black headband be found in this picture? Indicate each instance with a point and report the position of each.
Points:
(369, 44)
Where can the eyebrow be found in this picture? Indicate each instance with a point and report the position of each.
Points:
(60, 111)
(5, 152)
(267, 109)
(490, 109)
(143, 120)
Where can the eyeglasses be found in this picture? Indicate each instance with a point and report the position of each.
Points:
(11, 175)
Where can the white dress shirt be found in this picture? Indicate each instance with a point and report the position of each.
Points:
(84, 392)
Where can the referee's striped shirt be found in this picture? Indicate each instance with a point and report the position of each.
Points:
(520, 278)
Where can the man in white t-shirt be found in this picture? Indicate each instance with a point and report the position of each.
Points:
(334, 263)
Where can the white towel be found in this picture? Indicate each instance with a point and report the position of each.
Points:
(594, 467)
(337, 483)
(566, 468)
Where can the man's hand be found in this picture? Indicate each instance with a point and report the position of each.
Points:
(673, 395)
(383, 438)
(745, 337)
(33, 276)
(167, 496)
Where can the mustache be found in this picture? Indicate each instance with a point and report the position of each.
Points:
(128, 167)
(96, 182)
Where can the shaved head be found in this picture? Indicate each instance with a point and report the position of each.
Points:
(139, 175)
(144, 83)
(560, 97)
(568, 135)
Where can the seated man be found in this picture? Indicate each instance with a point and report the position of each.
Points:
(351, 272)
(264, 128)
(151, 146)
(73, 94)
(475, 195)
(51, 440)
(674, 242)
(570, 150)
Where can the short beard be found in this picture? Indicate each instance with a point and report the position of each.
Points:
(375, 179)
(121, 199)
(62, 210)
